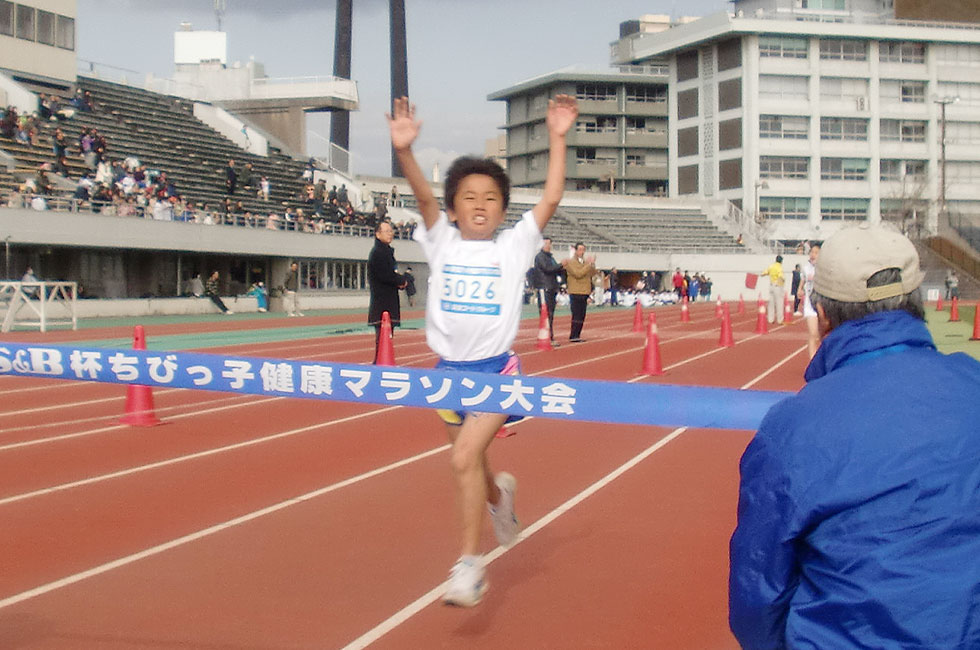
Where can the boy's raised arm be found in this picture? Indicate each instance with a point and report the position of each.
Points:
(562, 112)
(404, 129)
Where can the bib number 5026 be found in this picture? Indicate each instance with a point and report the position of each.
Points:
(472, 289)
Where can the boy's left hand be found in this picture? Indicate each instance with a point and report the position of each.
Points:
(562, 112)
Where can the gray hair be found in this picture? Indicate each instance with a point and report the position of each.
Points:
(838, 312)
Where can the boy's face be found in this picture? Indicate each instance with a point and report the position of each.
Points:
(478, 207)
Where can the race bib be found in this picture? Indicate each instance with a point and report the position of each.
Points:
(470, 290)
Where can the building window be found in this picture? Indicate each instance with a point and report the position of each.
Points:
(962, 132)
(730, 134)
(65, 33)
(729, 94)
(595, 92)
(6, 18)
(45, 27)
(687, 103)
(687, 65)
(786, 127)
(729, 54)
(844, 209)
(962, 172)
(844, 50)
(896, 170)
(641, 125)
(730, 174)
(843, 89)
(835, 5)
(687, 141)
(585, 155)
(783, 47)
(903, 130)
(957, 54)
(913, 92)
(784, 207)
(901, 52)
(844, 169)
(25, 22)
(784, 167)
(646, 94)
(969, 93)
(596, 125)
(843, 128)
(783, 87)
(687, 179)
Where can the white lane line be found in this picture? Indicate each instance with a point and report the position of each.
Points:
(780, 363)
(186, 539)
(187, 457)
(433, 595)
(81, 434)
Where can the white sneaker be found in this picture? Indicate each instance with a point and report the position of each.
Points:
(467, 583)
(228, 311)
(505, 524)
(299, 313)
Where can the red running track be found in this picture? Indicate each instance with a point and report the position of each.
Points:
(250, 522)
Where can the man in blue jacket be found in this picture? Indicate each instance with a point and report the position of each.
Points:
(859, 506)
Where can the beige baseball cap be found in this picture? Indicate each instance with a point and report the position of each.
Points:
(852, 255)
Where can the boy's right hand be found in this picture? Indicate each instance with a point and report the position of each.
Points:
(404, 128)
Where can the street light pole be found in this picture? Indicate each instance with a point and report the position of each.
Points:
(943, 103)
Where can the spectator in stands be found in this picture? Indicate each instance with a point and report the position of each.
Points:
(859, 504)
(249, 179)
(264, 189)
(231, 178)
(195, 286)
(30, 277)
(579, 268)
(393, 196)
(319, 195)
(212, 291)
(342, 195)
(272, 221)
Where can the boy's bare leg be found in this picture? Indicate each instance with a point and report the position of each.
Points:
(471, 469)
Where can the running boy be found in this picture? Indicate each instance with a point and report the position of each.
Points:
(473, 311)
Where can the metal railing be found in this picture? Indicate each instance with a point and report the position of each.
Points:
(44, 303)
(312, 224)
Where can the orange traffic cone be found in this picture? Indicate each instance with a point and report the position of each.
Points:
(685, 311)
(386, 351)
(741, 305)
(726, 340)
(939, 303)
(718, 307)
(954, 310)
(787, 310)
(139, 399)
(976, 324)
(638, 316)
(761, 326)
(544, 333)
(651, 355)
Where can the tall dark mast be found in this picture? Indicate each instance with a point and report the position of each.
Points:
(340, 120)
(399, 63)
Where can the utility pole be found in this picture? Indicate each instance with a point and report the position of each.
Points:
(943, 103)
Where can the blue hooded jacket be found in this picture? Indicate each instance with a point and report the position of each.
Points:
(859, 507)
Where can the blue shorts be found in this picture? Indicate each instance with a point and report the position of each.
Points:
(504, 364)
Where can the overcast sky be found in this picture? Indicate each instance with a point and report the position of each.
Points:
(459, 51)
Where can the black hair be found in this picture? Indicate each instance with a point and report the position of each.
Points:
(577, 244)
(467, 166)
(779, 258)
(839, 312)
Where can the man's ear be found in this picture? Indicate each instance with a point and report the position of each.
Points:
(823, 325)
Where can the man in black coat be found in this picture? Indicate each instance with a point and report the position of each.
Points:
(384, 282)
(545, 277)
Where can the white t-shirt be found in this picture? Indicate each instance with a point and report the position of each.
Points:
(473, 308)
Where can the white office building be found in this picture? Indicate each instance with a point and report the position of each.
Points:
(812, 113)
